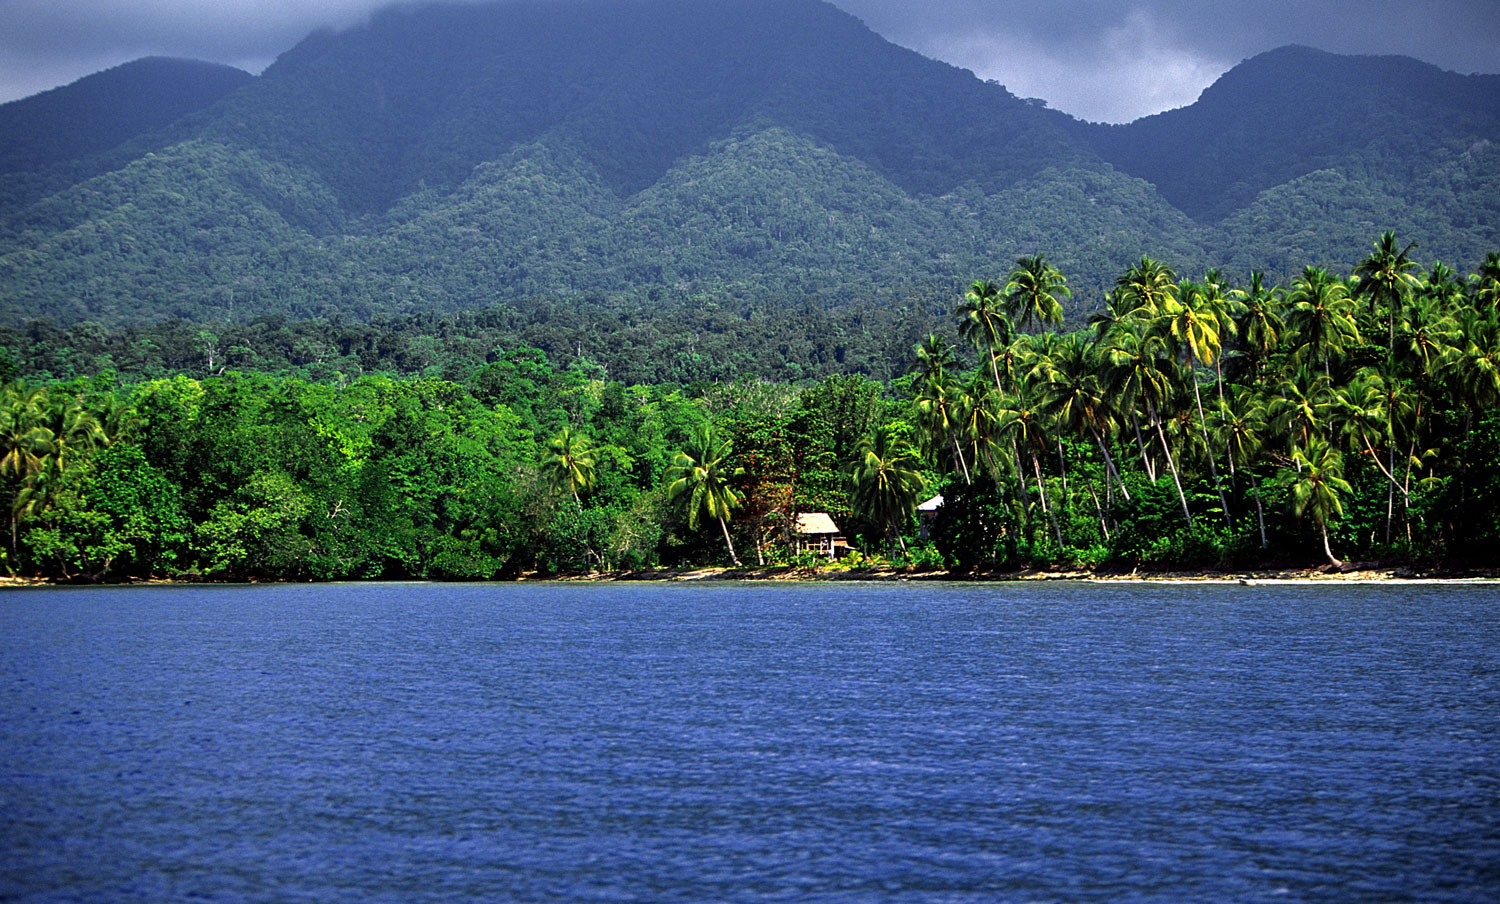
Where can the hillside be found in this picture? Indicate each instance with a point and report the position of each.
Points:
(668, 152)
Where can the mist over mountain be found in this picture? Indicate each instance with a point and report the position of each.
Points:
(652, 152)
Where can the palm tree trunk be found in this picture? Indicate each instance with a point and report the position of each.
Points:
(1041, 487)
(1141, 441)
(1103, 524)
(1390, 495)
(959, 452)
(1025, 487)
(1208, 447)
(1109, 461)
(1332, 560)
(729, 543)
(1171, 465)
(1260, 512)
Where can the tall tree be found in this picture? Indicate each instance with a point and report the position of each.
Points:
(1318, 486)
(1322, 314)
(885, 482)
(1386, 280)
(569, 462)
(1035, 291)
(700, 478)
(984, 323)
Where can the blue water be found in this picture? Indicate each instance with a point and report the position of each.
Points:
(760, 742)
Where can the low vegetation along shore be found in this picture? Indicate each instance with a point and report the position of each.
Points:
(1192, 426)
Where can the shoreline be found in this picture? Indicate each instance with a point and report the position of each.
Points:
(1356, 573)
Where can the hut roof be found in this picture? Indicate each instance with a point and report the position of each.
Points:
(814, 523)
(931, 505)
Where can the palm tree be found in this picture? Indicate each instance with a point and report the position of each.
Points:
(1259, 321)
(1302, 403)
(1143, 290)
(74, 429)
(885, 482)
(983, 323)
(1193, 325)
(1386, 279)
(1318, 486)
(27, 445)
(1485, 284)
(1321, 314)
(1017, 416)
(1136, 373)
(569, 462)
(938, 399)
(1241, 425)
(700, 476)
(1033, 291)
(1072, 394)
(1362, 411)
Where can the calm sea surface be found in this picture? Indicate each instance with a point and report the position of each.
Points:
(757, 742)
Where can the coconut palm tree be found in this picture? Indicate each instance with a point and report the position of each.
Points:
(700, 476)
(1034, 292)
(1322, 314)
(1192, 323)
(885, 482)
(1241, 425)
(1484, 286)
(1386, 280)
(1073, 395)
(939, 400)
(1137, 373)
(1259, 321)
(984, 323)
(1021, 419)
(569, 462)
(1316, 491)
(1300, 407)
(27, 446)
(1143, 290)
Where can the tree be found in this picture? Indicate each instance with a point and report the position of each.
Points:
(984, 324)
(1193, 324)
(1033, 292)
(569, 462)
(1316, 492)
(885, 483)
(1136, 372)
(1386, 280)
(1144, 290)
(1259, 321)
(1322, 315)
(937, 399)
(700, 476)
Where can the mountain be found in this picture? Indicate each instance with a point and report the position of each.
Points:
(445, 158)
(106, 109)
(1293, 111)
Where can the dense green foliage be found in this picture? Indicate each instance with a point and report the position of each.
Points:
(1194, 423)
(444, 158)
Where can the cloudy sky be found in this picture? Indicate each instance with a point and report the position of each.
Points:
(1104, 60)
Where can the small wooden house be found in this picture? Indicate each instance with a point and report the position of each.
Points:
(926, 514)
(815, 532)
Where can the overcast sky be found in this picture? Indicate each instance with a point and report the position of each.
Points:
(1103, 60)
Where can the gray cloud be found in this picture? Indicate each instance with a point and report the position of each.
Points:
(1115, 60)
(1109, 60)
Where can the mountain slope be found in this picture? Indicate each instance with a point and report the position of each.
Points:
(1294, 111)
(107, 109)
(445, 158)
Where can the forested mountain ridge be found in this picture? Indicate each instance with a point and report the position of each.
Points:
(106, 109)
(667, 152)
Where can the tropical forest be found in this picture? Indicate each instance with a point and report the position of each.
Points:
(418, 302)
(1193, 423)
